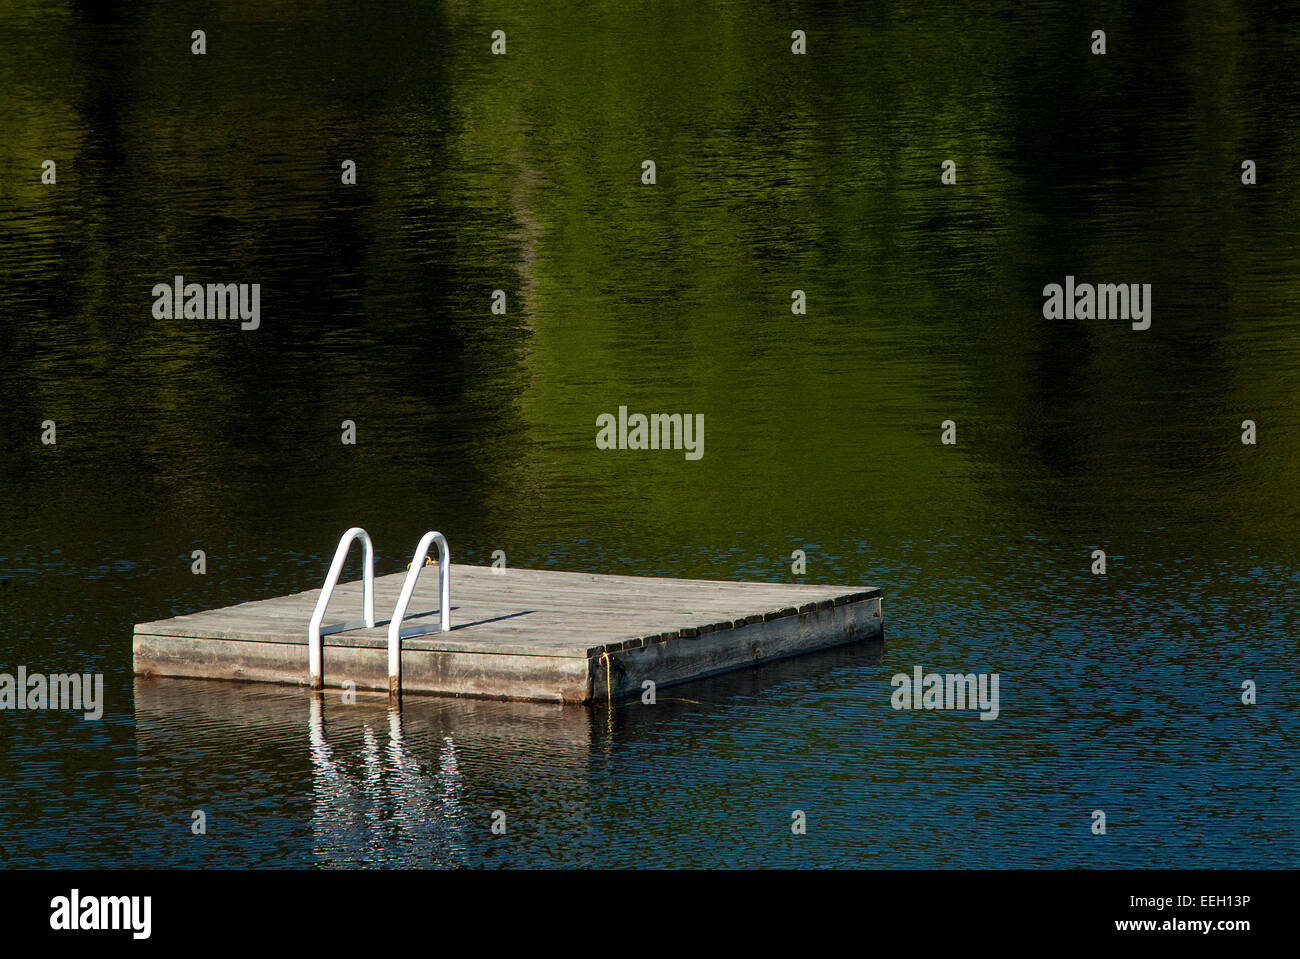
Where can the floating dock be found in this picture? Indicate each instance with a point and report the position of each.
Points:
(517, 634)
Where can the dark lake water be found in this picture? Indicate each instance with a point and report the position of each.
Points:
(774, 173)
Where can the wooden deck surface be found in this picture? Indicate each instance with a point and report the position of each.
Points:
(508, 613)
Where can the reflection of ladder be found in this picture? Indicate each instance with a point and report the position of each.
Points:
(315, 643)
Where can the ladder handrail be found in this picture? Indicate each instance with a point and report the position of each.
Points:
(408, 587)
(315, 646)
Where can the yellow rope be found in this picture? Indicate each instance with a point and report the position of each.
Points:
(609, 700)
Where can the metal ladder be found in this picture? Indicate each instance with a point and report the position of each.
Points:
(408, 587)
(315, 642)
(315, 645)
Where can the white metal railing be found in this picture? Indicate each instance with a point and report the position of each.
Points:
(315, 644)
(408, 587)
